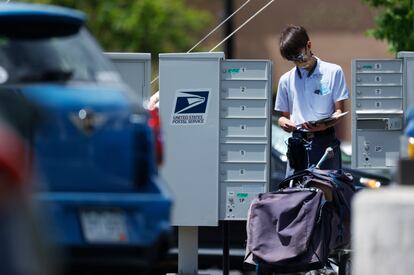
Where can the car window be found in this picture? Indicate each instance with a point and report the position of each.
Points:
(74, 56)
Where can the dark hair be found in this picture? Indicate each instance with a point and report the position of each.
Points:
(292, 39)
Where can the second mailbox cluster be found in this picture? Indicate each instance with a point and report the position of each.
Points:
(216, 116)
(382, 91)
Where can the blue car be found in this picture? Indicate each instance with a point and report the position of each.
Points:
(94, 146)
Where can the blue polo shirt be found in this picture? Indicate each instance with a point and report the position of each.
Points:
(311, 95)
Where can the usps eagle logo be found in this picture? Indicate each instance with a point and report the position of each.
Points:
(190, 107)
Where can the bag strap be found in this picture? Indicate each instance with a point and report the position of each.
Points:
(340, 187)
(298, 175)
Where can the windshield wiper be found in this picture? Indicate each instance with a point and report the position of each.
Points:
(47, 75)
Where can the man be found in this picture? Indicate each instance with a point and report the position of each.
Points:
(311, 91)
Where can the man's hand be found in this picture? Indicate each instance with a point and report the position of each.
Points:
(286, 124)
(312, 127)
(154, 101)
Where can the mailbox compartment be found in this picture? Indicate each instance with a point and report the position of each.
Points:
(243, 128)
(244, 70)
(385, 123)
(238, 89)
(379, 66)
(243, 152)
(379, 104)
(237, 197)
(243, 172)
(378, 79)
(378, 92)
(244, 108)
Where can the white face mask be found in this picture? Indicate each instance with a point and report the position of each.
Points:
(308, 61)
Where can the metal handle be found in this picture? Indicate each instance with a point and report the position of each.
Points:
(329, 153)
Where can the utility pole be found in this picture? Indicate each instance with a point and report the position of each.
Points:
(228, 28)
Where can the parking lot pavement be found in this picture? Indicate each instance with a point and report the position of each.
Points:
(220, 272)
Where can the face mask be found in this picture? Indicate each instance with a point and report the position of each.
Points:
(301, 57)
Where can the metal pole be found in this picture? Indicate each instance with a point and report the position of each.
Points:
(229, 28)
(187, 250)
(229, 54)
(226, 258)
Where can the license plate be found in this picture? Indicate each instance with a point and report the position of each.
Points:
(104, 226)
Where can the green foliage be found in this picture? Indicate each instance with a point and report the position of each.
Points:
(395, 23)
(141, 25)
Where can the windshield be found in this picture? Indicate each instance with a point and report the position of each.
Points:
(72, 56)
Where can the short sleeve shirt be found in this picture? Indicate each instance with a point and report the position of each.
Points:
(311, 96)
